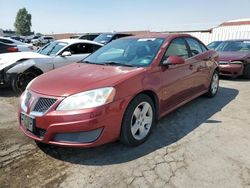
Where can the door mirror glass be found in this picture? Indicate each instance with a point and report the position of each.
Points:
(66, 53)
(173, 60)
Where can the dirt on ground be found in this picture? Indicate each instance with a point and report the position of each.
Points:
(205, 143)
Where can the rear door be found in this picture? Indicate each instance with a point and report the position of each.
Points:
(176, 80)
(199, 60)
(78, 52)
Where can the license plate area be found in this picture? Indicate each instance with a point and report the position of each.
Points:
(28, 122)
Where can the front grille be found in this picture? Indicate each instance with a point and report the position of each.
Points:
(43, 105)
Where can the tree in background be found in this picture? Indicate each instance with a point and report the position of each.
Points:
(23, 22)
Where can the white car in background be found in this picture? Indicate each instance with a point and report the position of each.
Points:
(18, 69)
(42, 40)
(22, 47)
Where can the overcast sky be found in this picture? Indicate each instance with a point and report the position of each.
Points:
(60, 16)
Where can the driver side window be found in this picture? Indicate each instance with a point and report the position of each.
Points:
(177, 47)
(82, 48)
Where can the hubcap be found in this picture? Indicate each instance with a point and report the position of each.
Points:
(215, 83)
(141, 120)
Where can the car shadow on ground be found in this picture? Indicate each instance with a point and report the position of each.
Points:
(169, 130)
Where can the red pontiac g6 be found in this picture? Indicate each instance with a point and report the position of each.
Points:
(119, 91)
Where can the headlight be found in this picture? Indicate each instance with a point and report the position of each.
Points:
(24, 99)
(88, 99)
(236, 62)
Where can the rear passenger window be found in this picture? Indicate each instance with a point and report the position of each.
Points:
(195, 46)
(6, 41)
(177, 48)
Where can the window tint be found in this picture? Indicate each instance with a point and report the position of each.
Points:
(195, 46)
(88, 37)
(6, 41)
(128, 52)
(231, 46)
(177, 48)
(82, 48)
(52, 48)
(47, 38)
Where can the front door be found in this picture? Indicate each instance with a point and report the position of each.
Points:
(176, 80)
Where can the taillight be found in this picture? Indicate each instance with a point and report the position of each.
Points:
(12, 49)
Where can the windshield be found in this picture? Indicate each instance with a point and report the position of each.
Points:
(127, 52)
(214, 45)
(104, 38)
(52, 48)
(231, 46)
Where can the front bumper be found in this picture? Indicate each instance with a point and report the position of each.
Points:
(230, 69)
(83, 128)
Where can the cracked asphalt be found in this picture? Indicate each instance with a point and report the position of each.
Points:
(205, 143)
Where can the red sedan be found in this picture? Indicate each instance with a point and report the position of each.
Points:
(234, 58)
(119, 91)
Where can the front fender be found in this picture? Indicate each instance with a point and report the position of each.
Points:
(21, 67)
(25, 65)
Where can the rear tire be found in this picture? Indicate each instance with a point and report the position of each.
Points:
(138, 121)
(246, 71)
(20, 81)
(214, 85)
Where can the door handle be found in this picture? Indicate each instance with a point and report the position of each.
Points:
(207, 58)
(191, 67)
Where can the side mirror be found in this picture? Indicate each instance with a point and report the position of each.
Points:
(173, 60)
(66, 53)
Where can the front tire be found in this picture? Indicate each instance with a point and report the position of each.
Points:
(20, 81)
(246, 72)
(138, 121)
(214, 85)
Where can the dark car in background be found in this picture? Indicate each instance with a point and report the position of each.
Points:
(214, 44)
(87, 36)
(234, 58)
(6, 48)
(105, 38)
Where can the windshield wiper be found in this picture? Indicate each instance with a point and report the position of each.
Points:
(117, 63)
(89, 62)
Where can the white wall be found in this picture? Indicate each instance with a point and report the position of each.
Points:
(224, 33)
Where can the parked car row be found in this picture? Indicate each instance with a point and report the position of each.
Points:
(234, 57)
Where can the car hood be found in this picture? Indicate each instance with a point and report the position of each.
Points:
(232, 56)
(8, 59)
(79, 77)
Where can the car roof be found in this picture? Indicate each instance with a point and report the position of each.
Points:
(237, 40)
(73, 41)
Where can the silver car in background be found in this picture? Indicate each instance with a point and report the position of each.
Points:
(19, 68)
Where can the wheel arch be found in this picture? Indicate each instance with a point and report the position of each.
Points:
(34, 69)
(153, 97)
